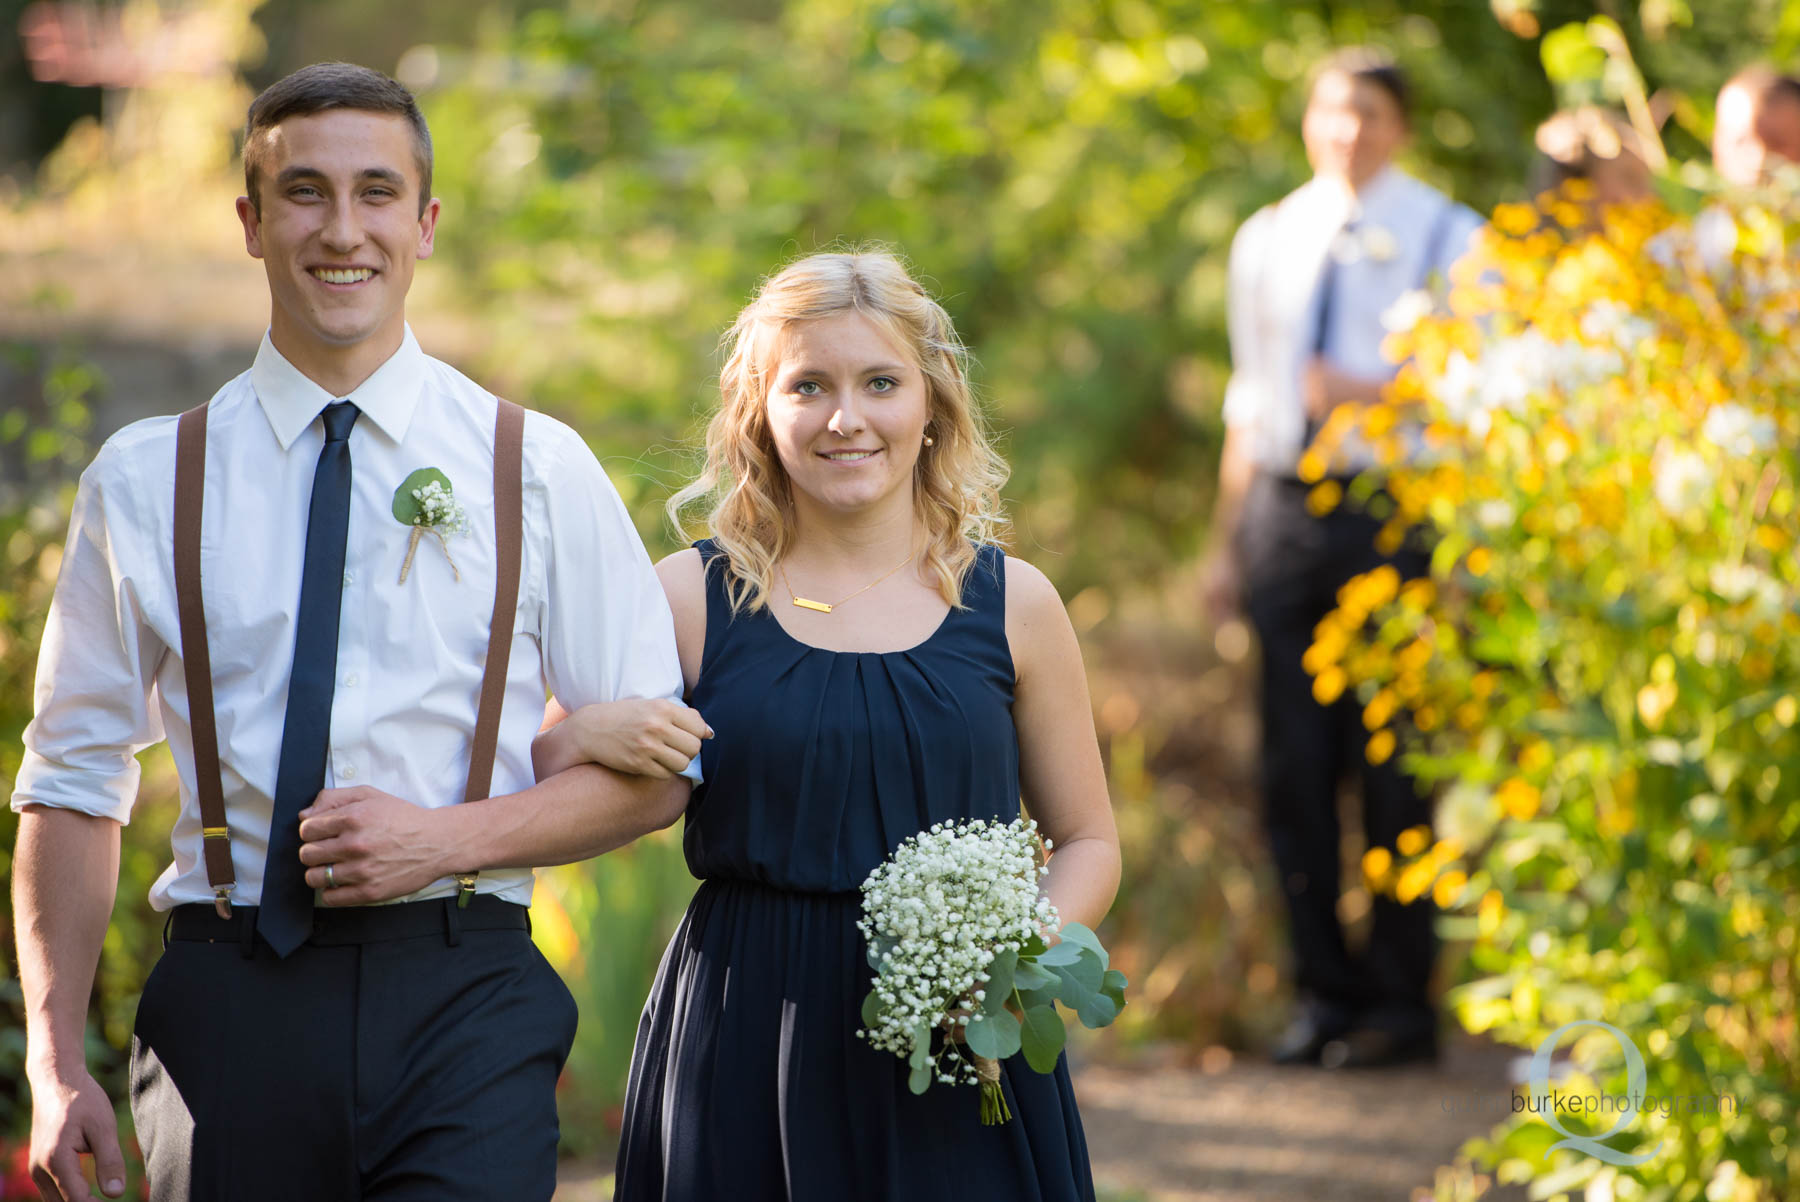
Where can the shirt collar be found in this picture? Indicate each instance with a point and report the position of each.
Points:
(291, 401)
(1331, 201)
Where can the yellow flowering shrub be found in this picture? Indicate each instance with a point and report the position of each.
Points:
(1596, 432)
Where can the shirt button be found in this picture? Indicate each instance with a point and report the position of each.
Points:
(347, 771)
(352, 680)
(349, 577)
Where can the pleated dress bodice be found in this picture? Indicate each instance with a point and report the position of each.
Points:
(822, 762)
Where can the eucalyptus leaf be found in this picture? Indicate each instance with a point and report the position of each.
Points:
(1062, 953)
(1096, 1010)
(871, 1010)
(919, 1080)
(1000, 979)
(1033, 946)
(921, 1053)
(996, 1036)
(1044, 996)
(406, 506)
(1079, 980)
(1076, 933)
(1030, 975)
(1113, 986)
(1042, 1036)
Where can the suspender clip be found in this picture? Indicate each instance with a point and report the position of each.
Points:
(222, 900)
(465, 888)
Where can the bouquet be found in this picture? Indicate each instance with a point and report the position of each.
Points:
(966, 973)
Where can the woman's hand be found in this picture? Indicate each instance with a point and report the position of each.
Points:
(653, 737)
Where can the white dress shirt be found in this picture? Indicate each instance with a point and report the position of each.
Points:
(1381, 238)
(592, 622)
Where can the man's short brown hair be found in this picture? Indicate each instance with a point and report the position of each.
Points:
(325, 86)
(1367, 64)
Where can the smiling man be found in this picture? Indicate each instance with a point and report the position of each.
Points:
(233, 580)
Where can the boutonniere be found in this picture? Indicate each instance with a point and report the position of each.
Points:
(425, 501)
(1379, 243)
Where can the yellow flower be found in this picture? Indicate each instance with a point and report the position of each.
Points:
(1375, 864)
(1480, 560)
(1324, 497)
(1519, 799)
(1414, 880)
(1492, 910)
(1381, 746)
(1380, 708)
(1311, 468)
(1328, 685)
(1449, 888)
(1413, 840)
(1515, 219)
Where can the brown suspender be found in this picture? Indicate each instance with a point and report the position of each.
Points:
(196, 657)
(190, 489)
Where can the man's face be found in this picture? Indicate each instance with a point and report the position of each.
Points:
(1752, 135)
(1352, 128)
(340, 229)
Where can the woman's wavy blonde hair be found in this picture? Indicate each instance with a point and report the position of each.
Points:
(956, 483)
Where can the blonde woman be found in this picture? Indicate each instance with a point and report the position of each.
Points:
(870, 662)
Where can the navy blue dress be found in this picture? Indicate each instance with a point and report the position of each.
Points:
(748, 1081)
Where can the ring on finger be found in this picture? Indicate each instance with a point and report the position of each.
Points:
(331, 876)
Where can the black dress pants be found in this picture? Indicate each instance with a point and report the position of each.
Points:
(392, 1057)
(1294, 565)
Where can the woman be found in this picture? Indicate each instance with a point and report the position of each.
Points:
(871, 663)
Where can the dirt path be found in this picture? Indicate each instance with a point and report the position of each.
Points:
(1251, 1132)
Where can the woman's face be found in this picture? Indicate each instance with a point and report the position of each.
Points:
(847, 410)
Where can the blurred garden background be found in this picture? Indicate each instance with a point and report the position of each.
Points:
(617, 175)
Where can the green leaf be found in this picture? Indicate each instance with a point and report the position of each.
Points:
(996, 1036)
(1113, 986)
(1000, 981)
(1030, 975)
(1076, 933)
(1063, 953)
(1096, 1010)
(406, 506)
(1032, 947)
(920, 1079)
(1042, 1035)
(879, 946)
(1043, 996)
(1079, 980)
(1570, 55)
(921, 1053)
(871, 1009)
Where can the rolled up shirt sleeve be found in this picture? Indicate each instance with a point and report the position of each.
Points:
(98, 661)
(1247, 389)
(608, 630)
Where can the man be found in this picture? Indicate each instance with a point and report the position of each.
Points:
(1310, 278)
(1756, 125)
(340, 1050)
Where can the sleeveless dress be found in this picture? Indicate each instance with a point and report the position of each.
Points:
(748, 1081)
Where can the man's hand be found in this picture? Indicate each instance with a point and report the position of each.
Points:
(1221, 586)
(377, 846)
(71, 1119)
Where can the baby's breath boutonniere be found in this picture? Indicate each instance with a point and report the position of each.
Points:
(425, 501)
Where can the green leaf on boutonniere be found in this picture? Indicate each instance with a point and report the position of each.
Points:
(407, 510)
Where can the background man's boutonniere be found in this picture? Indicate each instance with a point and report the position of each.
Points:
(425, 501)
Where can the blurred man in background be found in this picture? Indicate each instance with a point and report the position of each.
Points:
(1310, 279)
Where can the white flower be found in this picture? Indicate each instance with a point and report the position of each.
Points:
(1715, 238)
(1736, 430)
(1682, 480)
(1408, 310)
(1610, 321)
(1379, 243)
(439, 509)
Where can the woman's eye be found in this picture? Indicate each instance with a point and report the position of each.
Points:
(808, 388)
(884, 384)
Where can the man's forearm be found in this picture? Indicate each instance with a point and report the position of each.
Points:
(65, 876)
(1236, 468)
(577, 814)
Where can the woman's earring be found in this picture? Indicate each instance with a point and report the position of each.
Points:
(930, 441)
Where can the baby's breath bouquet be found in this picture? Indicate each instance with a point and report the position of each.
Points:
(966, 973)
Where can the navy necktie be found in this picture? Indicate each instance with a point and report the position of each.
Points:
(285, 915)
(1321, 331)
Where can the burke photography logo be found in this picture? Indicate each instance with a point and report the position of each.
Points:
(1544, 1097)
(1551, 1104)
